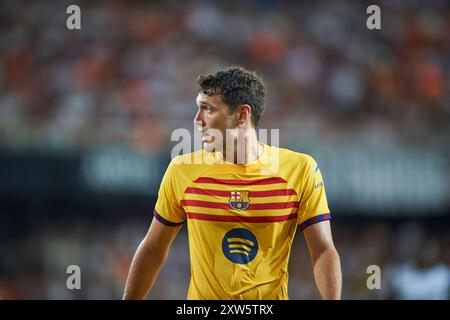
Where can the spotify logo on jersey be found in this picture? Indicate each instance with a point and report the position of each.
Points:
(240, 246)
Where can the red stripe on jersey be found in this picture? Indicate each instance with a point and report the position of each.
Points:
(255, 194)
(209, 192)
(212, 217)
(240, 182)
(255, 206)
(273, 193)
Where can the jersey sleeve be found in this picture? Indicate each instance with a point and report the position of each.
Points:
(313, 202)
(168, 209)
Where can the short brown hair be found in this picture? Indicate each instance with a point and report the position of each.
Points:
(237, 86)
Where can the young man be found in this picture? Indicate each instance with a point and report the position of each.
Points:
(242, 201)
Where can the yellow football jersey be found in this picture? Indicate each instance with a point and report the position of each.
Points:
(241, 219)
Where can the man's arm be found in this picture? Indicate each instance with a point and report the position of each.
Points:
(148, 259)
(325, 260)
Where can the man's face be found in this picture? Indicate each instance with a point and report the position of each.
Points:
(213, 113)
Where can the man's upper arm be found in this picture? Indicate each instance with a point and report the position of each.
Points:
(319, 238)
(168, 216)
(160, 236)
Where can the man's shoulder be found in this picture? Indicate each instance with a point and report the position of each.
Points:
(194, 157)
(295, 156)
(184, 168)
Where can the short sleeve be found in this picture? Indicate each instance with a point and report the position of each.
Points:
(168, 209)
(313, 202)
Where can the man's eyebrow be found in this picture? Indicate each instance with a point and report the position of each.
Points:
(201, 102)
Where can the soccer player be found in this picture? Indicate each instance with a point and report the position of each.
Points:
(241, 214)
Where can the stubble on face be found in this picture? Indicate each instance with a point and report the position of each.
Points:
(213, 119)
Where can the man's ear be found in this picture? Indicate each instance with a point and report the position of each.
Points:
(244, 114)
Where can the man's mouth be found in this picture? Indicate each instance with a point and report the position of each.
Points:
(206, 137)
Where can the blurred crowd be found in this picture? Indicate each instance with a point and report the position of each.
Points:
(413, 258)
(127, 80)
(127, 77)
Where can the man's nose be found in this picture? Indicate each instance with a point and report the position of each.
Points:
(198, 119)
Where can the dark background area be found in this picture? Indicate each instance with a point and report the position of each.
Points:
(86, 118)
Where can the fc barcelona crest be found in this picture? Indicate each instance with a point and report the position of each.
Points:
(239, 200)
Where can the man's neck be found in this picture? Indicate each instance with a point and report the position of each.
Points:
(247, 149)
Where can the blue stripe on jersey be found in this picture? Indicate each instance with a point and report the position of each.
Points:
(166, 222)
(321, 217)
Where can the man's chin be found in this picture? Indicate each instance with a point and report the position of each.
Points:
(208, 147)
